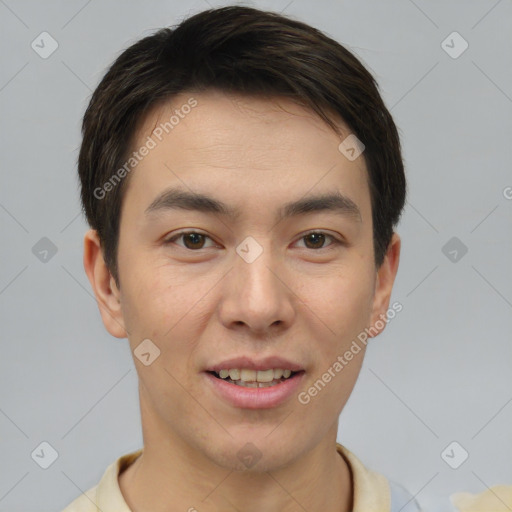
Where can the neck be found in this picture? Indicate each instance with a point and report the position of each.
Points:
(172, 475)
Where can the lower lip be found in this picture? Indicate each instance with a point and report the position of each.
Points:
(255, 398)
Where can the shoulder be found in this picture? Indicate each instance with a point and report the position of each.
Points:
(86, 502)
(106, 495)
(401, 499)
(373, 491)
(497, 497)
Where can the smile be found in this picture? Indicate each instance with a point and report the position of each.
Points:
(254, 378)
(251, 389)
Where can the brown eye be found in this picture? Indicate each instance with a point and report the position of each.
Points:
(316, 239)
(194, 239)
(191, 240)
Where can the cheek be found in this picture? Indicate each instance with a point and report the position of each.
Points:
(344, 305)
(342, 300)
(154, 296)
(165, 305)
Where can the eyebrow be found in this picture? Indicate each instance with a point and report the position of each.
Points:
(179, 199)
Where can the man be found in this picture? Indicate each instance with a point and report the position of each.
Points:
(242, 179)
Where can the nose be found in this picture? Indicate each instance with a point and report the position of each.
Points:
(257, 296)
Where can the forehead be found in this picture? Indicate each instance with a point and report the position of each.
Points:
(243, 147)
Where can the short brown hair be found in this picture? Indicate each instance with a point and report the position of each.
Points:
(241, 50)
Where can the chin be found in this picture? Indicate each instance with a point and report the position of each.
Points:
(253, 454)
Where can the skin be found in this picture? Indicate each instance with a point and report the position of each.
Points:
(301, 299)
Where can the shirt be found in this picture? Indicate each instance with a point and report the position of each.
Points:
(497, 498)
(372, 491)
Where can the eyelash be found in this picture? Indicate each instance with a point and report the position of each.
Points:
(335, 242)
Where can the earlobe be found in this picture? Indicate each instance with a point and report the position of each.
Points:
(103, 284)
(385, 279)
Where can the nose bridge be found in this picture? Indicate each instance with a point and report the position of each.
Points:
(257, 258)
(254, 294)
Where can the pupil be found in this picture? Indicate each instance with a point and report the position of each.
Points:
(315, 235)
(196, 239)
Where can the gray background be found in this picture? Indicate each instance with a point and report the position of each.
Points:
(441, 370)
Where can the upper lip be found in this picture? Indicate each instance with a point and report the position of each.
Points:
(271, 362)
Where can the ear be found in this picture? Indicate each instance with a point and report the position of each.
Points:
(383, 285)
(104, 286)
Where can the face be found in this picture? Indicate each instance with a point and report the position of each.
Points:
(275, 285)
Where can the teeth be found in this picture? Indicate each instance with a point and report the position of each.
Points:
(254, 384)
(244, 375)
(248, 375)
(265, 375)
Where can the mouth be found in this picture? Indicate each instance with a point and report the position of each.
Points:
(248, 378)
(247, 382)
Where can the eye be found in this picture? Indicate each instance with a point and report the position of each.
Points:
(318, 238)
(193, 240)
